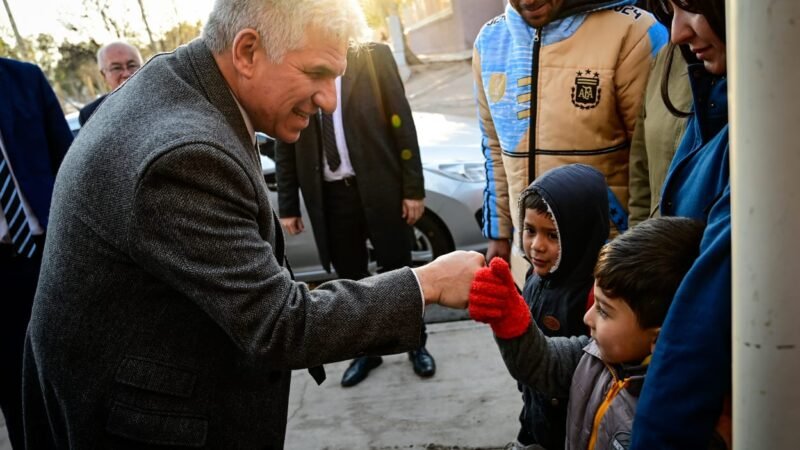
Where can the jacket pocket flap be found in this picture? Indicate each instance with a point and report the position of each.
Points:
(157, 427)
(155, 376)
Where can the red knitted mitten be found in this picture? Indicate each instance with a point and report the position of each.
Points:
(494, 299)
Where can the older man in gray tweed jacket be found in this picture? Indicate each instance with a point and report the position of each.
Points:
(163, 316)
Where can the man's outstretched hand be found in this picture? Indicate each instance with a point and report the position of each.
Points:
(494, 299)
(448, 278)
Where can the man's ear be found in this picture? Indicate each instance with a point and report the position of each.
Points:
(246, 45)
(655, 332)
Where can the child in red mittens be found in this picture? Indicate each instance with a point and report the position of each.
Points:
(636, 276)
(564, 217)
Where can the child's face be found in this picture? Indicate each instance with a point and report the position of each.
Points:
(540, 241)
(616, 330)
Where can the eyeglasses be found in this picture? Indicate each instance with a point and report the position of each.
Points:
(116, 69)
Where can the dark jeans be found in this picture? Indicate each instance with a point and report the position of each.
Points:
(18, 279)
(348, 233)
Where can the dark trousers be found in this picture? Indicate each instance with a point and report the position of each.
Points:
(18, 279)
(347, 231)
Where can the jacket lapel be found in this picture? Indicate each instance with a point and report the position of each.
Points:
(6, 115)
(349, 78)
(217, 90)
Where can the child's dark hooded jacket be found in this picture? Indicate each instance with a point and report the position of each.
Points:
(577, 196)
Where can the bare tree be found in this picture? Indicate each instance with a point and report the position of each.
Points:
(393, 8)
(21, 47)
(115, 27)
(377, 13)
(153, 45)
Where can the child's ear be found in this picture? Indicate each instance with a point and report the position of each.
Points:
(655, 332)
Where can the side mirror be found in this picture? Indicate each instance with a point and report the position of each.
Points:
(266, 145)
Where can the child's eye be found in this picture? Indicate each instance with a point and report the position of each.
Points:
(529, 231)
(553, 236)
(600, 311)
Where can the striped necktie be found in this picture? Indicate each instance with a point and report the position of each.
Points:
(329, 143)
(18, 228)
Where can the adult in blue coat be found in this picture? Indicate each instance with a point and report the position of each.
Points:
(34, 138)
(690, 373)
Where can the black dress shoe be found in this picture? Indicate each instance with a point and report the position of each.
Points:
(424, 365)
(359, 369)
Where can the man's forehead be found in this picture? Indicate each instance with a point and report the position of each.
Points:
(322, 48)
(326, 60)
(119, 52)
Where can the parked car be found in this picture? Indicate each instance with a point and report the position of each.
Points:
(72, 121)
(454, 184)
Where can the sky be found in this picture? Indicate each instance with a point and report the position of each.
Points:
(48, 16)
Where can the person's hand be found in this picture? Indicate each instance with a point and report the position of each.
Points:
(292, 225)
(413, 210)
(447, 279)
(494, 299)
(499, 248)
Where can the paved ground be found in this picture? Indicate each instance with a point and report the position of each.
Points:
(443, 88)
(471, 403)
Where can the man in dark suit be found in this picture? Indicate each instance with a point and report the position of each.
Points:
(360, 173)
(163, 315)
(33, 140)
(117, 61)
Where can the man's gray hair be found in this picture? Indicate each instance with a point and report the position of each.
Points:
(101, 53)
(282, 24)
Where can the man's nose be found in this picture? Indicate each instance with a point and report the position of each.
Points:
(325, 97)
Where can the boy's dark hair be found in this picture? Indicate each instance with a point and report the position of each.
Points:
(645, 265)
(533, 200)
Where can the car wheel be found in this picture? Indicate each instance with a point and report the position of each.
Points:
(431, 239)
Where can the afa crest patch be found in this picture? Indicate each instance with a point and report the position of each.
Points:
(586, 91)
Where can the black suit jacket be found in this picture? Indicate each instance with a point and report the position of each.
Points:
(384, 152)
(89, 108)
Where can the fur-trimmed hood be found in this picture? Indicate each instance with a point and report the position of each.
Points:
(577, 196)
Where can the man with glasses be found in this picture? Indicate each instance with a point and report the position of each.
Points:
(117, 62)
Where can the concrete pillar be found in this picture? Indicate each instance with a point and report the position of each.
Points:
(396, 35)
(763, 67)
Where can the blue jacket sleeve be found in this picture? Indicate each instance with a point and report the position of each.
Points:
(690, 371)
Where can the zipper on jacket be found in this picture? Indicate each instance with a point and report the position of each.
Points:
(536, 300)
(617, 385)
(534, 103)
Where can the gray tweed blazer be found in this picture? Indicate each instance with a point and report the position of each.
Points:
(163, 316)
